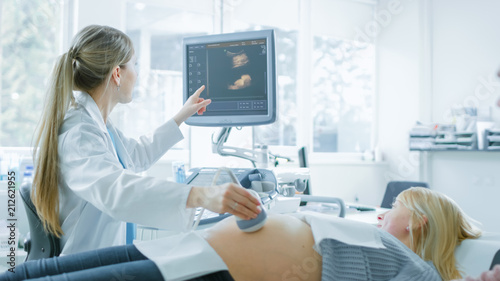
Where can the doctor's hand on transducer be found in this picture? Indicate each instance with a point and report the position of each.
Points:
(193, 105)
(255, 224)
(225, 198)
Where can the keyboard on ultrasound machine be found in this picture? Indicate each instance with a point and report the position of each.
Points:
(204, 177)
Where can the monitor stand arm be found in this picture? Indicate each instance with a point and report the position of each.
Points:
(256, 157)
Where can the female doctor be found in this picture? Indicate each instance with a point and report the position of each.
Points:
(85, 186)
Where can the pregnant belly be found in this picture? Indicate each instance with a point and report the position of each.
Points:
(281, 250)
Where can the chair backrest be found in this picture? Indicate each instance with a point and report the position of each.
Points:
(475, 256)
(395, 187)
(496, 260)
(304, 163)
(41, 244)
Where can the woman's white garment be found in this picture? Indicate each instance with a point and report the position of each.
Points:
(183, 256)
(188, 255)
(347, 231)
(97, 195)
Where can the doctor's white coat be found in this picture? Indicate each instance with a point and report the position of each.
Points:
(97, 195)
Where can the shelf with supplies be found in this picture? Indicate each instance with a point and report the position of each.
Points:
(466, 134)
(492, 139)
(441, 141)
(441, 138)
(446, 138)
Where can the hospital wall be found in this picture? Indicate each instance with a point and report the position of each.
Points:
(466, 53)
(432, 57)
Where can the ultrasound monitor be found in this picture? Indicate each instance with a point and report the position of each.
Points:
(239, 74)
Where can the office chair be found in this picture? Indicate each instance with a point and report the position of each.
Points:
(304, 163)
(496, 260)
(478, 255)
(38, 244)
(394, 188)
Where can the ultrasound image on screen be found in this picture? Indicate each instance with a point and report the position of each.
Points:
(237, 72)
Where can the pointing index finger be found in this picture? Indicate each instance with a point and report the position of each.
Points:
(196, 94)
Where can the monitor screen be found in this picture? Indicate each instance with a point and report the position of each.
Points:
(238, 71)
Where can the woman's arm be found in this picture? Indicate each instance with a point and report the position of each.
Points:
(142, 153)
(145, 151)
(90, 170)
(194, 104)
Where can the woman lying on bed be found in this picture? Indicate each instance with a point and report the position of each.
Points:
(416, 240)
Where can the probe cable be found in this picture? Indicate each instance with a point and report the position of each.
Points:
(214, 180)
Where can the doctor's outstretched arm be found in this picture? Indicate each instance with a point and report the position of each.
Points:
(224, 198)
(146, 150)
(193, 105)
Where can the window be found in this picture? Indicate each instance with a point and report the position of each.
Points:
(283, 17)
(342, 99)
(157, 29)
(325, 76)
(342, 75)
(29, 43)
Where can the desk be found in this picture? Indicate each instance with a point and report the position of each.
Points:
(365, 216)
(351, 213)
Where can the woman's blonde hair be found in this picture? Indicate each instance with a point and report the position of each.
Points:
(94, 52)
(437, 226)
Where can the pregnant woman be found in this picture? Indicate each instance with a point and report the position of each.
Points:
(415, 240)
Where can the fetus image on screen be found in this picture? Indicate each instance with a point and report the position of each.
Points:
(239, 73)
(239, 59)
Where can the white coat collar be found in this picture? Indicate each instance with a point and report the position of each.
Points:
(85, 100)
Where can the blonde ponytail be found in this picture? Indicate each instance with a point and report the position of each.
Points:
(95, 51)
(45, 191)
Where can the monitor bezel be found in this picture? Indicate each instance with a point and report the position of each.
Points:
(236, 120)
